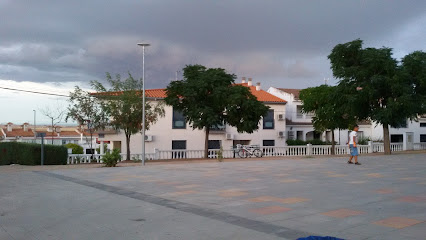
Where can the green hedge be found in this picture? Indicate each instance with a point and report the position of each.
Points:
(30, 154)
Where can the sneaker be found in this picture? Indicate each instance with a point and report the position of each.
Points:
(349, 162)
(357, 163)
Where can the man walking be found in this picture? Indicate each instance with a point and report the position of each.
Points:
(353, 146)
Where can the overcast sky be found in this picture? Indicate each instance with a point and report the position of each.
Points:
(54, 45)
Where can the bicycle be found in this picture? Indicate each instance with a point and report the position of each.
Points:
(245, 151)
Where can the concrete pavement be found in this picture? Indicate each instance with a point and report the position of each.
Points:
(385, 198)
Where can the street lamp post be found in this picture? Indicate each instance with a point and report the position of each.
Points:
(143, 45)
(35, 127)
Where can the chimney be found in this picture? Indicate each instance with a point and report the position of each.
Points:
(250, 82)
(243, 80)
(25, 127)
(9, 127)
(49, 129)
(258, 88)
(58, 129)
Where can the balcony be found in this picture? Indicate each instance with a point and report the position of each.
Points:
(220, 129)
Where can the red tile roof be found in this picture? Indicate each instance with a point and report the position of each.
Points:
(261, 95)
(293, 91)
(19, 132)
(69, 134)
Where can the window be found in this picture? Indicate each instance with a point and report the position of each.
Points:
(422, 137)
(179, 121)
(214, 144)
(423, 124)
(268, 120)
(268, 143)
(218, 128)
(64, 142)
(397, 138)
(178, 145)
(299, 135)
(90, 151)
(299, 113)
(310, 114)
(268, 149)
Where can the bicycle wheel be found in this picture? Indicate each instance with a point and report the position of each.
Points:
(243, 153)
(258, 153)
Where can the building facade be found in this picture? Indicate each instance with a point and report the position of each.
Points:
(172, 132)
(299, 125)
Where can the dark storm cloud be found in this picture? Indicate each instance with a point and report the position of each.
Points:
(268, 40)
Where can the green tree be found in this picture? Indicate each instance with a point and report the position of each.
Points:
(123, 104)
(328, 111)
(208, 97)
(87, 111)
(76, 149)
(377, 87)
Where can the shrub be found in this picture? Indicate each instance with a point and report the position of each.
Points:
(316, 142)
(295, 142)
(220, 154)
(110, 159)
(363, 140)
(98, 149)
(30, 154)
(76, 149)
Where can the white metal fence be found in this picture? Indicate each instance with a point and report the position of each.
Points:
(308, 150)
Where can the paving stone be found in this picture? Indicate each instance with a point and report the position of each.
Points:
(270, 210)
(398, 222)
(342, 213)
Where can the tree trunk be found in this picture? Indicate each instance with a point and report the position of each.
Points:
(333, 144)
(206, 143)
(128, 147)
(91, 144)
(386, 140)
(52, 131)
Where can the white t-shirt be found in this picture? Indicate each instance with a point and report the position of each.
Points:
(351, 137)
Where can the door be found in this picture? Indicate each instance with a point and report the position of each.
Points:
(410, 140)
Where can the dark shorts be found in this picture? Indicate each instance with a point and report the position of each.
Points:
(354, 150)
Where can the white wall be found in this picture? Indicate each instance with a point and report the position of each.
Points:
(291, 106)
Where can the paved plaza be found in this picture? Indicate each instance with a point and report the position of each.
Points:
(385, 198)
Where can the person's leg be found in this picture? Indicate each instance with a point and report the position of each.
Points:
(351, 149)
(356, 157)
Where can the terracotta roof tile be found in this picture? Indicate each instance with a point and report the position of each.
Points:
(69, 134)
(19, 132)
(293, 91)
(261, 95)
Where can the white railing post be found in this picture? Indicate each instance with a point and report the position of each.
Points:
(156, 154)
(370, 146)
(309, 149)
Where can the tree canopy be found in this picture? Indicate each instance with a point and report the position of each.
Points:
(209, 97)
(86, 110)
(329, 113)
(378, 87)
(123, 104)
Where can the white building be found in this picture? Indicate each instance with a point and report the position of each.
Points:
(299, 125)
(172, 132)
(58, 135)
